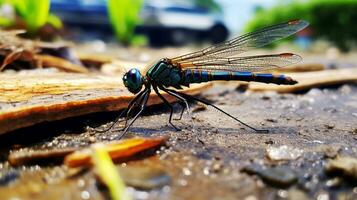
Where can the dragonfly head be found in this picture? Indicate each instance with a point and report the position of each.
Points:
(133, 80)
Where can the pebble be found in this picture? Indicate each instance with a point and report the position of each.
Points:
(146, 178)
(280, 176)
(283, 194)
(345, 89)
(323, 196)
(335, 182)
(295, 194)
(85, 195)
(206, 171)
(272, 120)
(283, 153)
(330, 126)
(269, 141)
(251, 197)
(314, 92)
(92, 139)
(7, 177)
(217, 167)
(331, 151)
(199, 107)
(346, 165)
(186, 171)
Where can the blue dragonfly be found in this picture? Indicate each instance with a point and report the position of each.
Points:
(218, 62)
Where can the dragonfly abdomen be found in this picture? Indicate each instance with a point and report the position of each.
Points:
(199, 76)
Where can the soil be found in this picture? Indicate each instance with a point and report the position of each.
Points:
(212, 158)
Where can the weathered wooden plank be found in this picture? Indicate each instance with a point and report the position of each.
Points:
(30, 98)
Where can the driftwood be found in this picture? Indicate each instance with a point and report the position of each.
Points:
(30, 98)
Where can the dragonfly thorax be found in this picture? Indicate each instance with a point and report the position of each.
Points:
(133, 80)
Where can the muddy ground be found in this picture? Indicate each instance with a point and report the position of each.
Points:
(220, 159)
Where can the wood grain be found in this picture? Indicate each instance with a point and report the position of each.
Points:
(30, 98)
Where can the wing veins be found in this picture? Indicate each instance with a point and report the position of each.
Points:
(249, 63)
(245, 42)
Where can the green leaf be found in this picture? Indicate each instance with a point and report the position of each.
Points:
(124, 17)
(109, 174)
(36, 13)
(55, 21)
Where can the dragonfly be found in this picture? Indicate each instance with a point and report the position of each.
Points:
(215, 63)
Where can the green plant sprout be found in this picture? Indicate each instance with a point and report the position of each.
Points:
(35, 14)
(108, 173)
(124, 17)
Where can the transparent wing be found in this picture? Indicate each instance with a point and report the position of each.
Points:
(245, 42)
(250, 63)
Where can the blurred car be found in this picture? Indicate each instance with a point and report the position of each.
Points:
(177, 24)
(163, 22)
(86, 15)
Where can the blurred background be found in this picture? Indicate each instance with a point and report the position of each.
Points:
(161, 23)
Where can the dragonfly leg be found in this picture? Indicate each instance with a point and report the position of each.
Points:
(126, 112)
(139, 101)
(168, 104)
(172, 93)
(178, 96)
(209, 104)
(143, 103)
(186, 106)
(183, 107)
(182, 104)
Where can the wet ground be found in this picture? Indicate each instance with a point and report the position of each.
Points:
(215, 158)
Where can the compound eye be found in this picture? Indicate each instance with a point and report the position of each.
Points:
(134, 75)
(125, 79)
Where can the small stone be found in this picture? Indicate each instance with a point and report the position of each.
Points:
(206, 171)
(280, 176)
(296, 194)
(346, 89)
(92, 139)
(283, 153)
(182, 182)
(85, 195)
(329, 126)
(269, 141)
(144, 177)
(199, 107)
(251, 197)
(335, 182)
(283, 194)
(272, 120)
(217, 167)
(186, 171)
(346, 165)
(354, 132)
(331, 151)
(314, 92)
(266, 97)
(81, 183)
(7, 177)
(303, 132)
(323, 196)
